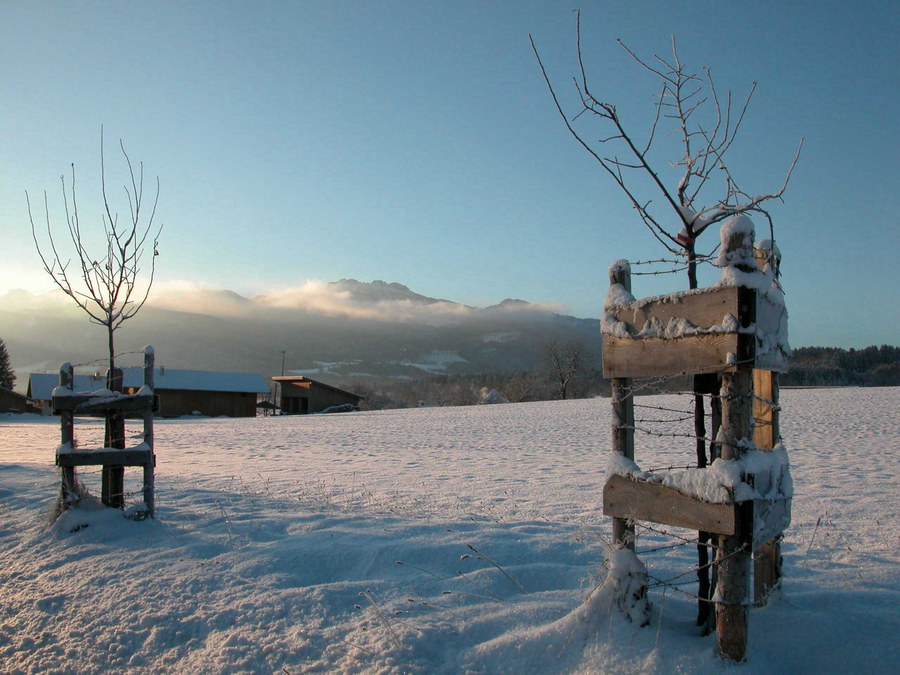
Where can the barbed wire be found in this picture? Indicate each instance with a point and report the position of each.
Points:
(105, 360)
(651, 421)
(669, 420)
(663, 408)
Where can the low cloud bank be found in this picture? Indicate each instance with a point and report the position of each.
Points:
(325, 299)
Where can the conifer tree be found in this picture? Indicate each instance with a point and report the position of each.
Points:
(7, 376)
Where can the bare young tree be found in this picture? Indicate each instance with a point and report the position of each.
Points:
(565, 362)
(104, 282)
(706, 126)
(676, 208)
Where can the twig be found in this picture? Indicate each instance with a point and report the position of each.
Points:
(812, 539)
(505, 573)
(368, 596)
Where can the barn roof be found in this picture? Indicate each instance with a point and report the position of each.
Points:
(41, 385)
(302, 378)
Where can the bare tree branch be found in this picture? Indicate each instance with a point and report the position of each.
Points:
(106, 288)
(705, 124)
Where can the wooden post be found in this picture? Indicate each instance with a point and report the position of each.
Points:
(766, 435)
(112, 491)
(67, 433)
(623, 417)
(704, 383)
(733, 554)
(149, 498)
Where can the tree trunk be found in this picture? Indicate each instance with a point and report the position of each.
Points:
(112, 491)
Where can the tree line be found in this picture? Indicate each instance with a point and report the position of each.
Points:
(833, 366)
(810, 367)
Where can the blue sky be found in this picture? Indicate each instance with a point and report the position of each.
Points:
(416, 142)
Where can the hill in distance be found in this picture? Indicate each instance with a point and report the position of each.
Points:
(336, 332)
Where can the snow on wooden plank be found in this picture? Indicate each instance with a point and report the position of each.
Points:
(639, 500)
(679, 313)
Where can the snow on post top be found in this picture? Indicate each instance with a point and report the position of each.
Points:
(736, 235)
(620, 284)
(768, 256)
(619, 293)
(619, 266)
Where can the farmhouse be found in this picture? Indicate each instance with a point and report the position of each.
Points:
(180, 392)
(301, 395)
(11, 401)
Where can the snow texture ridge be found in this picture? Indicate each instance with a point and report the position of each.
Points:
(341, 544)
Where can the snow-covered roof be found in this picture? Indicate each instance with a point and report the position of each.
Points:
(297, 379)
(41, 385)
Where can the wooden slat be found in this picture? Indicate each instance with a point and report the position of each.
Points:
(766, 570)
(764, 390)
(105, 457)
(627, 498)
(87, 404)
(704, 308)
(651, 357)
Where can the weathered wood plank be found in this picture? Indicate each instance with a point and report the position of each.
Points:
(105, 457)
(763, 411)
(766, 570)
(645, 356)
(88, 404)
(628, 498)
(651, 357)
(703, 308)
(771, 519)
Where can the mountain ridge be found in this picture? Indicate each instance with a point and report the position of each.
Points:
(336, 332)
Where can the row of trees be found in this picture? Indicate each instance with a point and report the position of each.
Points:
(568, 370)
(810, 366)
(831, 366)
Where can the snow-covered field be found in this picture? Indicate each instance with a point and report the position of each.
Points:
(445, 540)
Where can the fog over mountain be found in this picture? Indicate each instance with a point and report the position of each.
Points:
(336, 332)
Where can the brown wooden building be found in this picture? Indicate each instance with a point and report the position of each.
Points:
(11, 401)
(300, 395)
(180, 392)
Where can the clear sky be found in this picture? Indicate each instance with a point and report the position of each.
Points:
(416, 142)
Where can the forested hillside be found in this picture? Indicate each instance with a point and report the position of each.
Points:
(810, 367)
(823, 366)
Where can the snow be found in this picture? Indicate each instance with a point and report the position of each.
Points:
(341, 544)
(736, 226)
(616, 296)
(771, 327)
(724, 481)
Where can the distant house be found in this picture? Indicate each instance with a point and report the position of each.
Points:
(180, 392)
(301, 395)
(11, 401)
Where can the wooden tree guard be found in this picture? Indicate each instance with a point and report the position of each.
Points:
(720, 329)
(67, 404)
